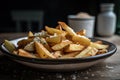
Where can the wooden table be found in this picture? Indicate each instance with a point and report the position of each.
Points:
(107, 70)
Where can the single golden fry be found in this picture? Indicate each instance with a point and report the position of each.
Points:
(29, 47)
(92, 52)
(30, 34)
(81, 40)
(67, 28)
(84, 52)
(81, 32)
(52, 30)
(10, 46)
(74, 47)
(61, 45)
(54, 39)
(42, 51)
(24, 53)
(99, 46)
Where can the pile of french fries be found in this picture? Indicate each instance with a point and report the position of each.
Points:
(57, 43)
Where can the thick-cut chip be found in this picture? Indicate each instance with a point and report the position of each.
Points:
(54, 39)
(52, 30)
(70, 55)
(67, 28)
(84, 52)
(42, 51)
(99, 46)
(81, 32)
(30, 34)
(61, 45)
(74, 47)
(24, 53)
(81, 40)
(10, 46)
(29, 47)
(92, 52)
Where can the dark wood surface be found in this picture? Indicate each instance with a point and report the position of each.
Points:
(107, 70)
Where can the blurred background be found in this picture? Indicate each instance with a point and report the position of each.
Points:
(46, 12)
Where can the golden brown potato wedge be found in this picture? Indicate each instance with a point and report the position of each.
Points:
(30, 34)
(92, 52)
(54, 39)
(42, 51)
(99, 46)
(81, 40)
(84, 52)
(24, 53)
(30, 47)
(61, 45)
(9, 46)
(67, 28)
(52, 30)
(74, 47)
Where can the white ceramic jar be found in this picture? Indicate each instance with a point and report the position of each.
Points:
(106, 20)
(78, 23)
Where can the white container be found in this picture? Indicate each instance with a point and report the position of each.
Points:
(78, 24)
(106, 20)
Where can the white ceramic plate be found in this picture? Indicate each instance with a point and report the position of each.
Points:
(60, 64)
